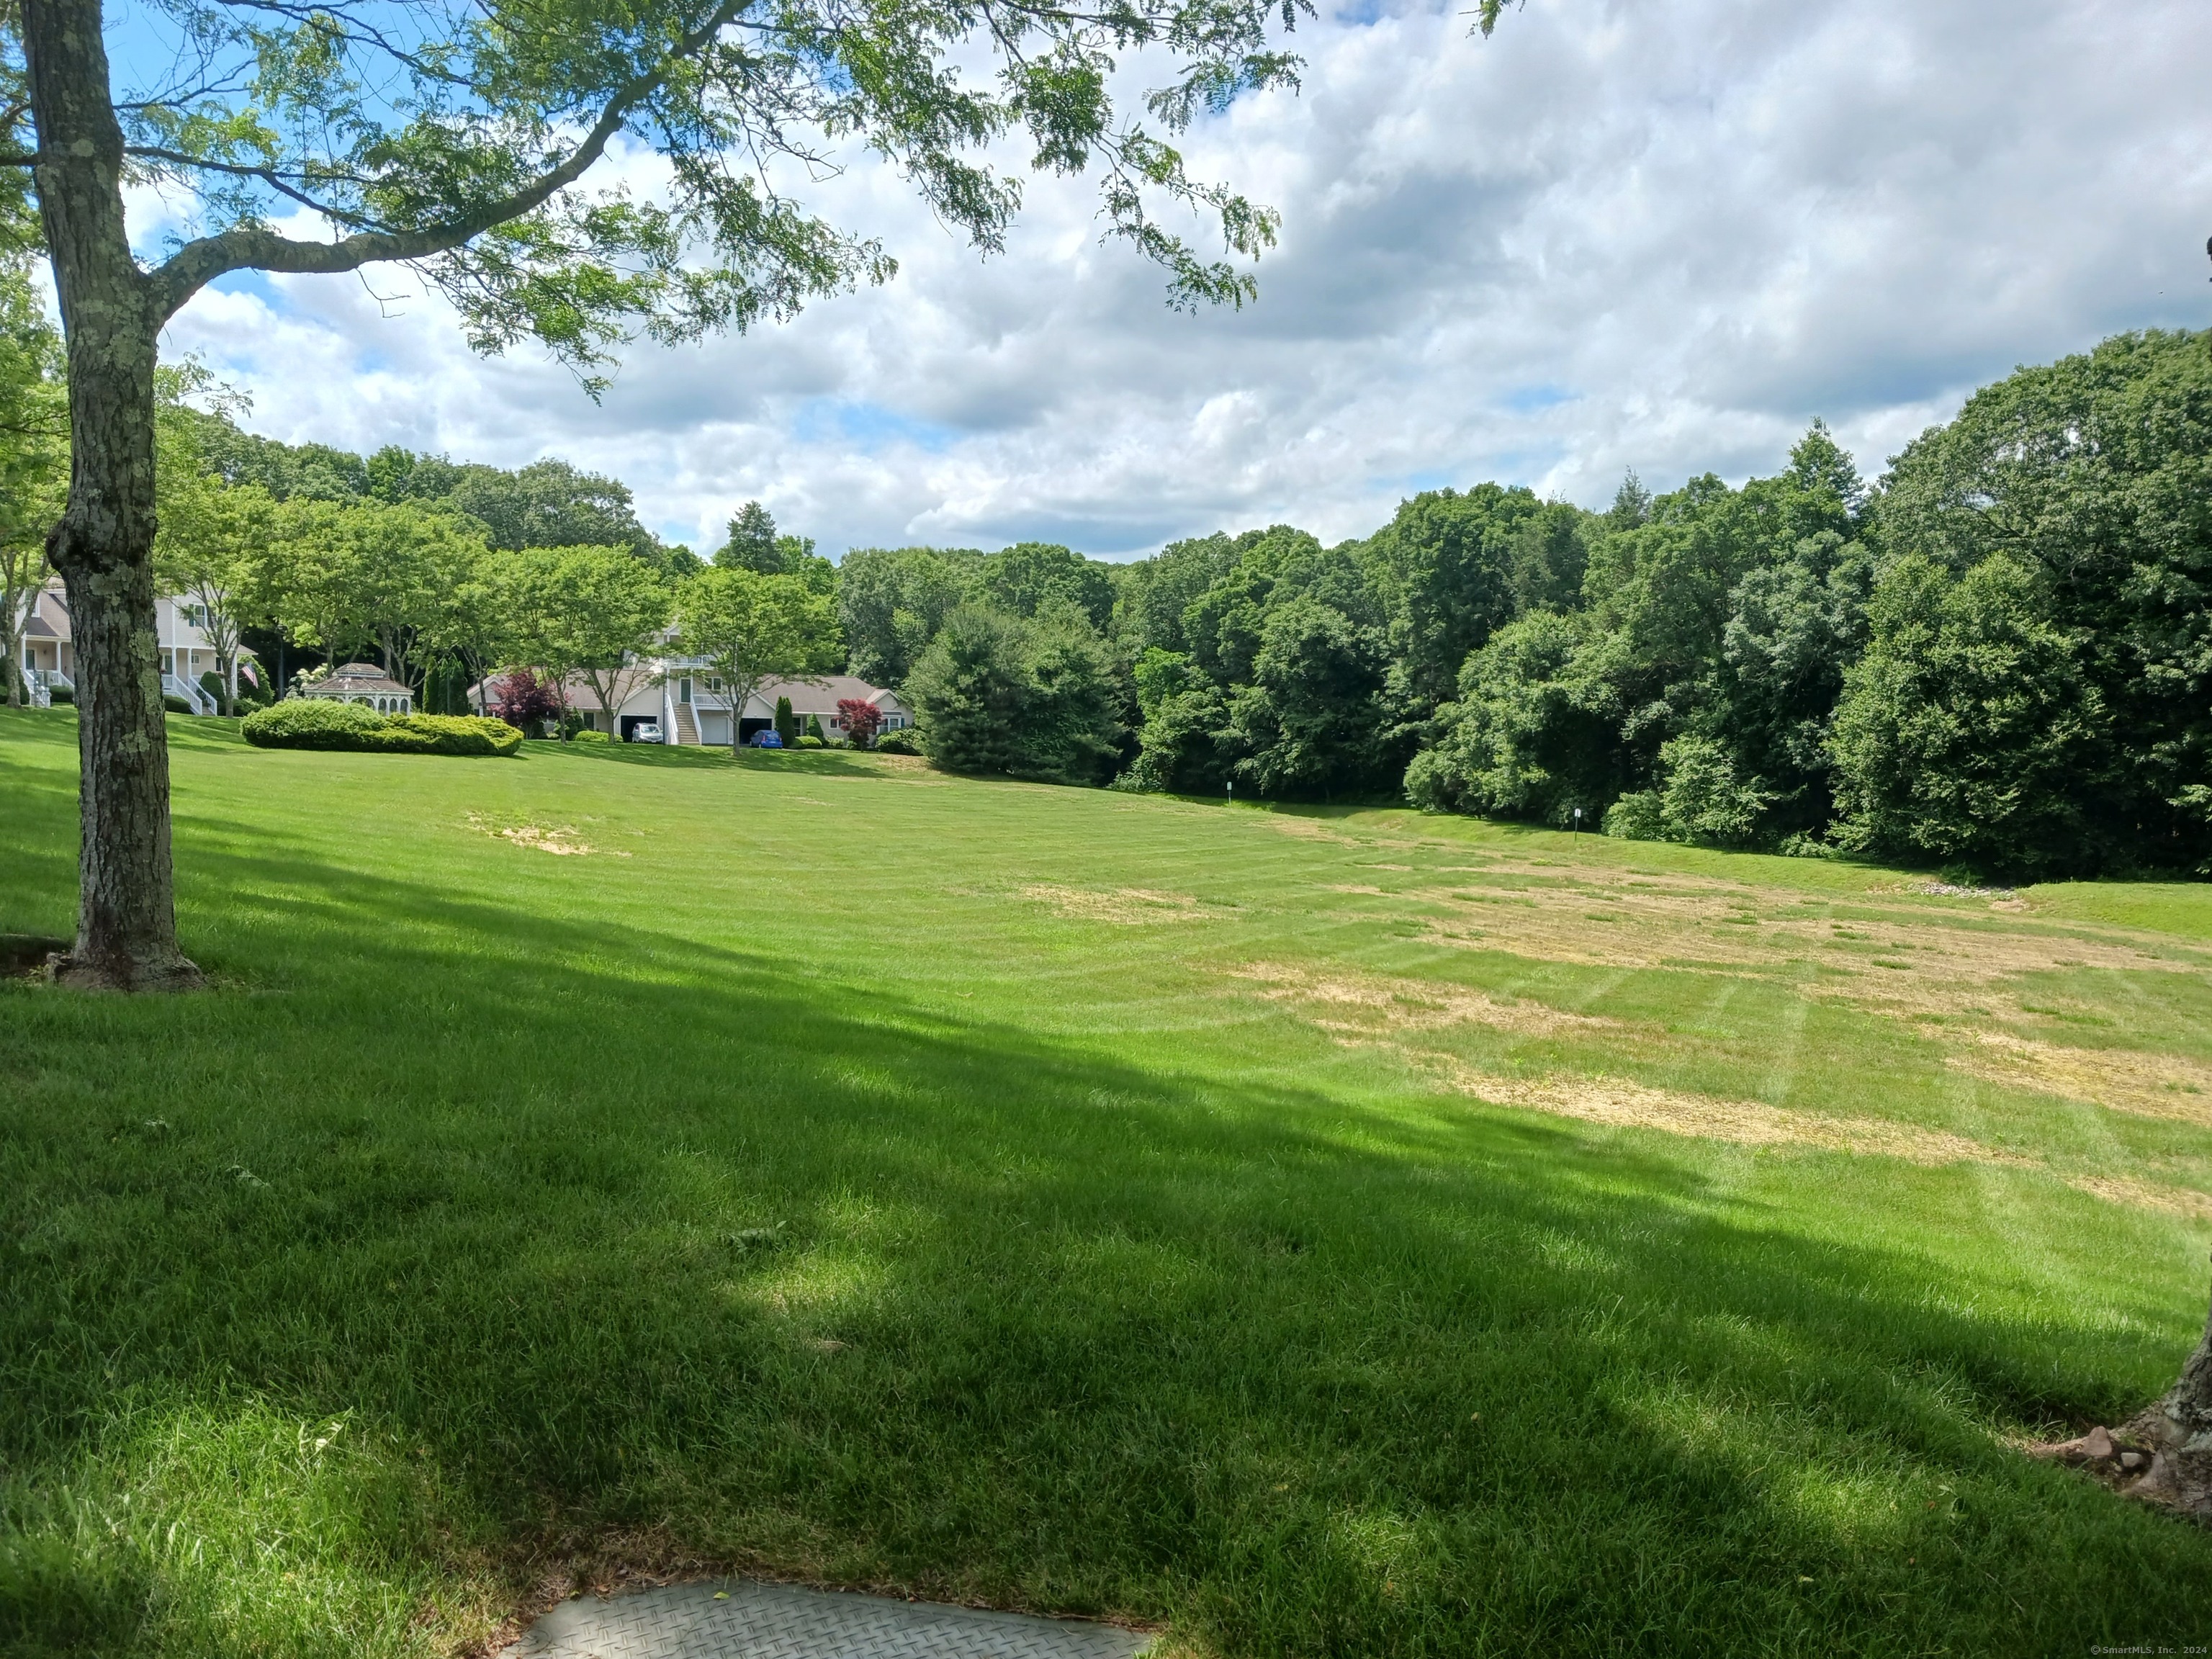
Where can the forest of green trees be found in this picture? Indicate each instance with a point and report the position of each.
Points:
(1998, 656)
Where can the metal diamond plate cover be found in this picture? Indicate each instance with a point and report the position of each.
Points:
(735, 1618)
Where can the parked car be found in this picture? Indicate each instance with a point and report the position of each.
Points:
(648, 732)
(768, 739)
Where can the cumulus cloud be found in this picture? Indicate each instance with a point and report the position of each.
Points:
(1613, 235)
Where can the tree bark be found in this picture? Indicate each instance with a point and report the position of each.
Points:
(11, 641)
(2178, 1433)
(740, 692)
(2187, 1406)
(104, 546)
(2162, 1454)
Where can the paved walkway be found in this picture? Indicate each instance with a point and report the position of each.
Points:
(736, 1619)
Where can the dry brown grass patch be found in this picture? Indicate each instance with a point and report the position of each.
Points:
(1382, 1003)
(1617, 1103)
(1621, 1104)
(1123, 907)
(1291, 824)
(2142, 1195)
(1902, 960)
(558, 839)
(2122, 1080)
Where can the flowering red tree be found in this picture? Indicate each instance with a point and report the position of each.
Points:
(863, 720)
(521, 695)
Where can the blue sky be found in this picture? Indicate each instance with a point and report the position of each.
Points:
(1615, 234)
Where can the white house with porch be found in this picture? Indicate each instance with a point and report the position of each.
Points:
(691, 708)
(698, 702)
(49, 658)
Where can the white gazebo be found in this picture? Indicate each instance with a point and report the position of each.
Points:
(363, 682)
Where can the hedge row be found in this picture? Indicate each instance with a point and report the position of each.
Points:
(315, 723)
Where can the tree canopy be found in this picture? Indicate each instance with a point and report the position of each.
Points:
(747, 628)
(463, 140)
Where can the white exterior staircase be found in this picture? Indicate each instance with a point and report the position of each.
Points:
(199, 702)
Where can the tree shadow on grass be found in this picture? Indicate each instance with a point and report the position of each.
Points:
(44, 726)
(461, 1237)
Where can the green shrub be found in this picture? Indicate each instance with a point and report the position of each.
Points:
(452, 734)
(314, 723)
(306, 723)
(1003, 694)
(1700, 800)
(1974, 730)
(394, 739)
(176, 705)
(808, 740)
(1637, 816)
(901, 742)
(586, 734)
(62, 696)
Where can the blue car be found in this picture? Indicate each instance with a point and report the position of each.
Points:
(770, 738)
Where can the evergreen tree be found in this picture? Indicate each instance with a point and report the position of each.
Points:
(997, 693)
(752, 543)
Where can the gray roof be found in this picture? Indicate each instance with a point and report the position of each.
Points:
(358, 678)
(822, 694)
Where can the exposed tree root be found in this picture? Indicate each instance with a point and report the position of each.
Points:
(2148, 1458)
(170, 972)
(26, 954)
(2163, 1454)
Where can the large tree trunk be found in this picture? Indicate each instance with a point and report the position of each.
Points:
(11, 641)
(739, 693)
(103, 547)
(2178, 1433)
(2162, 1454)
(2187, 1407)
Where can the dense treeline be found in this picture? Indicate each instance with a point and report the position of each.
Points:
(1998, 656)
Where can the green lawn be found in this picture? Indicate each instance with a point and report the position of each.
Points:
(1326, 1232)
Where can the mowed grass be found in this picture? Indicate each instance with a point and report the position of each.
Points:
(1299, 1233)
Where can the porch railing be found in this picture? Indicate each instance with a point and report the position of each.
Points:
(197, 699)
(43, 683)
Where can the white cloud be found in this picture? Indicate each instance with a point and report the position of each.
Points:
(1614, 235)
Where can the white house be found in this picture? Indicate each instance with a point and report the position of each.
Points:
(698, 703)
(691, 708)
(50, 659)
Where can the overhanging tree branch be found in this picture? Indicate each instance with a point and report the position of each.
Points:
(269, 176)
(253, 247)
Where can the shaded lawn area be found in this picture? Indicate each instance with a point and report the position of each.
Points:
(756, 1202)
